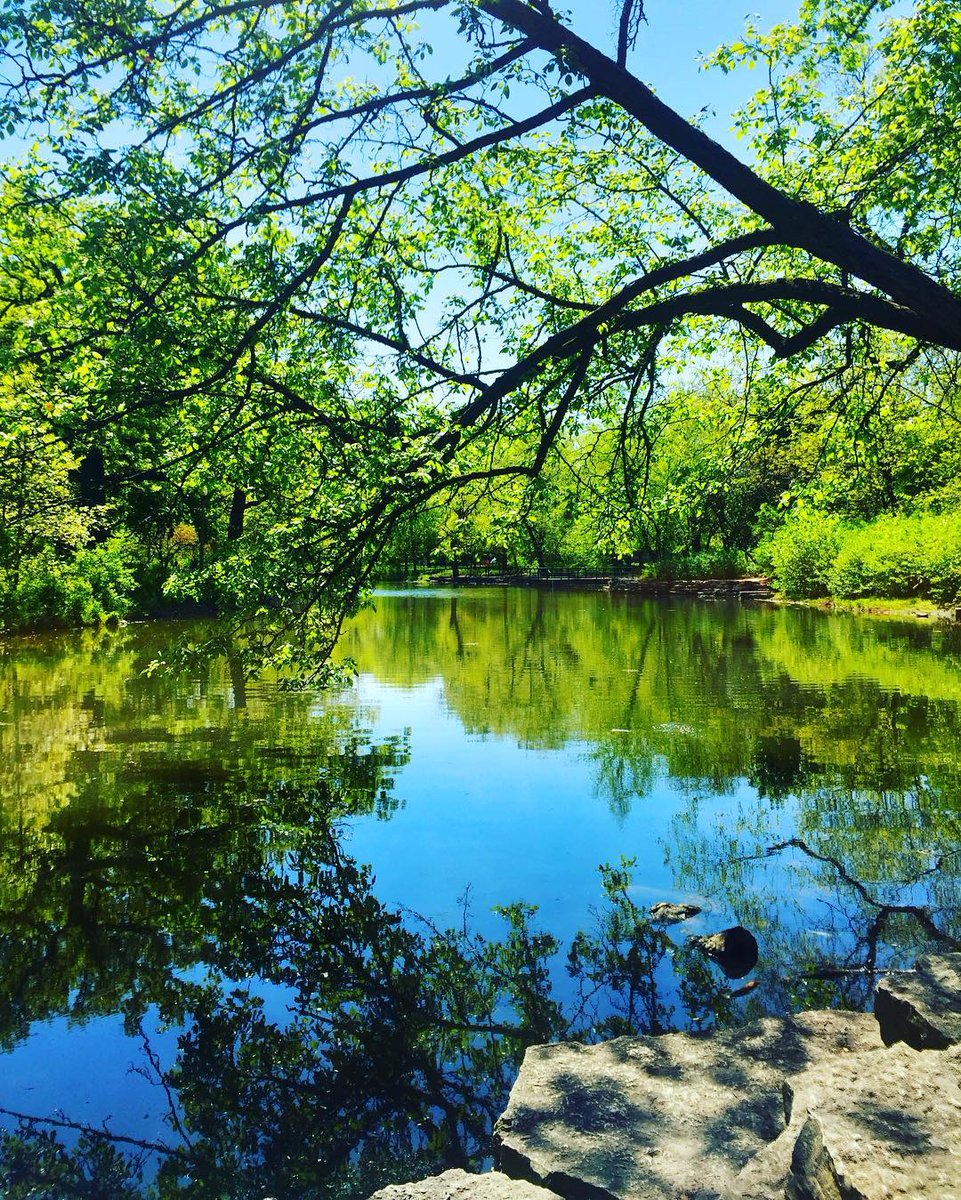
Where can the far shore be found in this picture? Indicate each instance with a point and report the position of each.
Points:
(750, 588)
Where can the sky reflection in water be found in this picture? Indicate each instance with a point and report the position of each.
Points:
(500, 744)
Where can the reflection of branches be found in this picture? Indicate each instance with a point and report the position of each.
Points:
(884, 910)
(101, 1135)
(402, 1036)
(939, 865)
(160, 1077)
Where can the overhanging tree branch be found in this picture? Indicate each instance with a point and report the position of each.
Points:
(809, 227)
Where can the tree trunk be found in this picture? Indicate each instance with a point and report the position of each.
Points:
(238, 508)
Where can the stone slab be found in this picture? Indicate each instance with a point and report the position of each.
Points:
(674, 1116)
(459, 1185)
(922, 1009)
(884, 1125)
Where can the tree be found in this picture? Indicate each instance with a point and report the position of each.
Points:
(376, 283)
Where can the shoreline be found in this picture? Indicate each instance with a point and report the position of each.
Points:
(748, 588)
(913, 608)
(751, 589)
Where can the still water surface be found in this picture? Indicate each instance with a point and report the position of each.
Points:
(181, 908)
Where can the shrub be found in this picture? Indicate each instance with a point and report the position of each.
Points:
(814, 554)
(184, 536)
(916, 555)
(52, 592)
(702, 564)
(801, 554)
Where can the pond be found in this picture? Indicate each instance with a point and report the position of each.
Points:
(204, 992)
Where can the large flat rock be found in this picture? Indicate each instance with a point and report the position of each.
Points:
(458, 1185)
(889, 1125)
(922, 1009)
(667, 1117)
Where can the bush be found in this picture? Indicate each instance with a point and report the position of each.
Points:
(94, 585)
(814, 554)
(801, 554)
(702, 564)
(917, 555)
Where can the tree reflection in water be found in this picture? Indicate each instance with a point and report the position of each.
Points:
(396, 1042)
(179, 860)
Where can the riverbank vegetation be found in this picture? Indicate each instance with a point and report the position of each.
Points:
(289, 302)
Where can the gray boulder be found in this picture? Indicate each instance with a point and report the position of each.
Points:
(887, 1125)
(678, 1115)
(923, 1008)
(458, 1185)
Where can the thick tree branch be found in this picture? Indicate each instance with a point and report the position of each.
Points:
(937, 308)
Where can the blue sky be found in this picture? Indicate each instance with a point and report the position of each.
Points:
(670, 45)
(669, 49)
(667, 55)
(677, 33)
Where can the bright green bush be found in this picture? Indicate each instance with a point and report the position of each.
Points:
(917, 555)
(92, 586)
(814, 554)
(801, 554)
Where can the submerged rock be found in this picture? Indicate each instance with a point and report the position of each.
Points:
(923, 1009)
(734, 950)
(653, 1117)
(666, 913)
(458, 1185)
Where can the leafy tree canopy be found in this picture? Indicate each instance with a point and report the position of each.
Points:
(316, 276)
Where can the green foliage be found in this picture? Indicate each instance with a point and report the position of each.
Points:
(545, 340)
(907, 555)
(717, 563)
(801, 554)
(36, 1165)
(814, 554)
(620, 958)
(92, 586)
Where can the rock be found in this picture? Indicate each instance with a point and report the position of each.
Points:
(670, 1116)
(923, 1009)
(666, 913)
(458, 1185)
(886, 1125)
(734, 950)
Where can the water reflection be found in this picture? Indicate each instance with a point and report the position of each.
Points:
(859, 720)
(326, 1043)
(173, 857)
(710, 689)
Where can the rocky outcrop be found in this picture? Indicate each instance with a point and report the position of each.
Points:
(458, 1185)
(922, 1008)
(887, 1125)
(813, 1107)
(654, 1117)
(703, 589)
